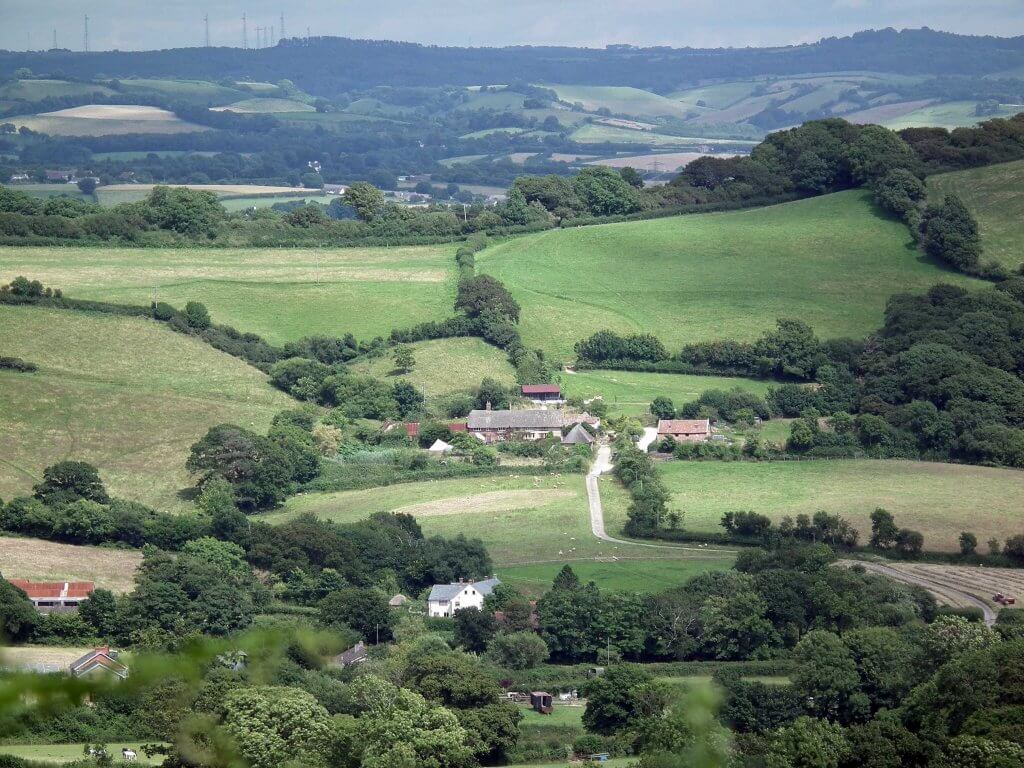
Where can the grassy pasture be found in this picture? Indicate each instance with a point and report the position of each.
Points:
(266, 105)
(112, 569)
(832, 261)
(632, 392)
(950, 114)
(619, 99)
(282, 294)
(995, 195)
(445, 365)
(36, 90)
(198, 90)
(939, 500)
(125, 394)
(530, 524)
(593, 133)
(717, 96)
(106, 120)
(71, 753)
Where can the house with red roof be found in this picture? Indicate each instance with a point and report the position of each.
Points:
(99, 661)
(55, 596)
(685, 430)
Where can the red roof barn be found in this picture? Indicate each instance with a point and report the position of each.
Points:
(542, 393)
(55, 596)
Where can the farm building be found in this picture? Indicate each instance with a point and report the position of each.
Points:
(61, 176)
(578, 435)
(542, 393)
(357, 654)
(685, 430)
(99, 661)
(528, 424)
(55, 596)
(446, 599)
(412, 428)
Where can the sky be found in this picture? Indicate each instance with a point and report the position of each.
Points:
(145, 24)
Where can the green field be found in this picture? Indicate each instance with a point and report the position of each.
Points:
(197, 90)
(831, 261)
(266, 201)
(995, 195)
(125, 394)
(940, 500)
(620, 100)
(631, 392)
(593, 133)
(531, 524)
(36, 90)
(445, 365)
(951, 114)
(266, 106)
(281, 294)
(70, 753)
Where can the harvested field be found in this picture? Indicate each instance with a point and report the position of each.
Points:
(35, 655)
(974, 580)
(112, 569)
(248, 190)
(106, 120)
(664, 161)
(489, 503)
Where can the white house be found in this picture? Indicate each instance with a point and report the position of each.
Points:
(446, 599)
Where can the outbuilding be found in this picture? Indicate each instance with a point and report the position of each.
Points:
(685, 430)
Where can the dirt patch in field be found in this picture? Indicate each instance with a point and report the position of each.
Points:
(112, 569)
(495, 501)
(115, 112)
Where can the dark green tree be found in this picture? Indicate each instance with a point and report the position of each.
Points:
(69, 481)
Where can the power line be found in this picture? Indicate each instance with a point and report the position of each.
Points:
(245, 32)
(282, 26)
(206, 25)
(87, 33)
(273, 40)
(55, 39)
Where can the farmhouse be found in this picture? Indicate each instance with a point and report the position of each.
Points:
(99, 661)
(528, 424)
(357, 654)
(577, 436)
(542, 393)
(446, 599)
(55, 596)
(61, 176)
(685, 430)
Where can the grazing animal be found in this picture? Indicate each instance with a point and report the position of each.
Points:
(129, 755)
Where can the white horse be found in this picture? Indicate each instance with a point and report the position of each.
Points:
(129, 755)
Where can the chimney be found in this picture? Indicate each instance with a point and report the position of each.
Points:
(488, 405)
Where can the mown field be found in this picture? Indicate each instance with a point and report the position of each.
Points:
(619, 99)
(445, 365)
(106, 120)
(281, 294)
(531, 525)
(832, 261)
(995, 195)
(632, 392)
(939, 500)
(125, 394)
(112, 569)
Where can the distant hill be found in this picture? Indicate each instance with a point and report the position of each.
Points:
(330, 66)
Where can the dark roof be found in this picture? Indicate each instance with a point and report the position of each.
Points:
(541, 389)
(524, 419)
(353, 655)
(578, 436)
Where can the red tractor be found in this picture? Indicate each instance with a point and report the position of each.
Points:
(1002, 599)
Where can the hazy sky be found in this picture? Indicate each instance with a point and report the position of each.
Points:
(145, 24)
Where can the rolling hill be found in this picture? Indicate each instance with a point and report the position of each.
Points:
(106, 120)
(995, 195)
(281, 294)
(832, 261)
(125, 394)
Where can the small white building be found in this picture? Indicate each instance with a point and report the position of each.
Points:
(446, 599)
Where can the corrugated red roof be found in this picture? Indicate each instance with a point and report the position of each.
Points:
(541, 389)
(684, 427)
(54, 590)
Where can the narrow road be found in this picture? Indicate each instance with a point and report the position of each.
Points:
(603, 464)
(936, 588)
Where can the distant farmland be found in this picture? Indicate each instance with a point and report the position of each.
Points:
(832, 261)
(281, 294)
(112, 569)
(106, 120)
